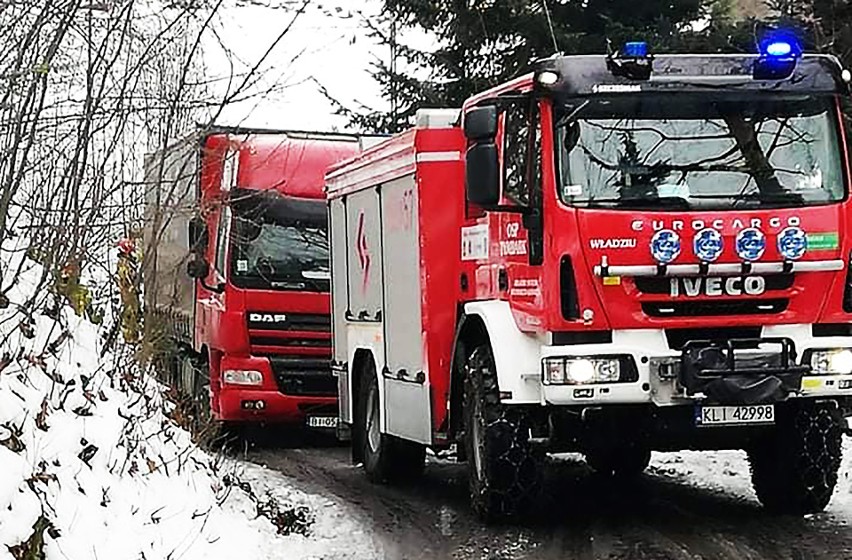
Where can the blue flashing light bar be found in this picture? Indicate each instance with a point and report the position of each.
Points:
(635, 49)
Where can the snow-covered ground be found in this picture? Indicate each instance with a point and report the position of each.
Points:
(91, 464)
(728, 472)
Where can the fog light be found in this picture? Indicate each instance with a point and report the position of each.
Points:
(242, 377)
(831, 361)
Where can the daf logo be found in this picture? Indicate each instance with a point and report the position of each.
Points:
(733, 286)
(267, 318)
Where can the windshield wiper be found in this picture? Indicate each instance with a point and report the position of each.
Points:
(638, 202)
(758, 197)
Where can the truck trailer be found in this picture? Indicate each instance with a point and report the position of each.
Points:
(236, 278)
(611, 255)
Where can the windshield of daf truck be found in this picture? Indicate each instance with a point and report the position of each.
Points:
(710, 151)
(274, 246)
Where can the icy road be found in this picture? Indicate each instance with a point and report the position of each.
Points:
(688, 506)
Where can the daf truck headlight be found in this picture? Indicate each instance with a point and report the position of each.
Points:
(836, 361)
(559, 370)
(242, 377)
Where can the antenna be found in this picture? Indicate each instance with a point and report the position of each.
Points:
(550, 24)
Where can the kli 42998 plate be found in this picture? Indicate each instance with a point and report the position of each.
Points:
(734, 415)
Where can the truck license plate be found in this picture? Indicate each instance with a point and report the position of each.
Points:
(322, 422)
(733, 415)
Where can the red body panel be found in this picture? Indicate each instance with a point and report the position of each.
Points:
(294, 166)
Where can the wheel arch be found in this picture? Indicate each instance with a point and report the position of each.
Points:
(517, 355)
(470, 332)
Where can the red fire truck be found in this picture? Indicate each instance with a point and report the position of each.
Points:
(237, 275)
(610, 255)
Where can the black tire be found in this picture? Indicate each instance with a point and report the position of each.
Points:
(195, 391)
(625, 461)
(386, 458)
(504, 469)
(794, 470)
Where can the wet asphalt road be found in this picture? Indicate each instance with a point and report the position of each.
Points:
(581, 517)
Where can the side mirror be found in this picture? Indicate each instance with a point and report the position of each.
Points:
(197, 268)
(481, 123)
(482, 175)
(198, 236)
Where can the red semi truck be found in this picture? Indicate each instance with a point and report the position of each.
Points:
(237, 277)
(610, 255)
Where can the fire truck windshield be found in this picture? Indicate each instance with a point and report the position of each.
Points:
(280, 256)
(711, 151)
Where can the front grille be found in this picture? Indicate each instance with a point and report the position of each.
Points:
(715, 308)
(304, 376)
(663, 285)
(268, 321)
(256, 340)
(289, 334)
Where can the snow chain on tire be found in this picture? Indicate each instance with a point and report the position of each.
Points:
(504, 469)
(794, 470)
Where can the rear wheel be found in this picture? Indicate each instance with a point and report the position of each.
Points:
(386, 458)
(195, 393)
(794, 470)
(503, 467)
(624, 461)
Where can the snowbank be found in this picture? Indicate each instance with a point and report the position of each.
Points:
(91, 465)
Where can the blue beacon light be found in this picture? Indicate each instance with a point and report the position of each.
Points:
(779, 53)
(635, 49)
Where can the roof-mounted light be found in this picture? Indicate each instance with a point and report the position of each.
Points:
(779, 52)
(548, 78)
(633, 61)
(635, 49)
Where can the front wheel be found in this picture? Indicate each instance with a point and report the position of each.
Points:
(504, 469)
(794, 470)
(386, 458)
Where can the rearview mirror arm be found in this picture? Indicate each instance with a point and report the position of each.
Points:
(217, 289)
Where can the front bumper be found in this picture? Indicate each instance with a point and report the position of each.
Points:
(267, 402)
(240, 405)
(663, 381)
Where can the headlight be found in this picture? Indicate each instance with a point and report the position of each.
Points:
(707, 245)
(579, 371)
(242, 377)
(831, 361)
(750, 243)
(792, 243)
(665, 246)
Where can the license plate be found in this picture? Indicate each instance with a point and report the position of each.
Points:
(734, 415)
(322, 421)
